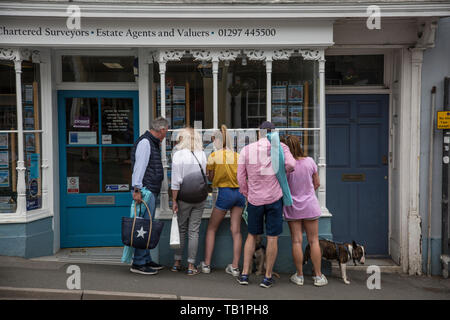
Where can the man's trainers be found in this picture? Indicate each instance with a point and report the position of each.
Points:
(154, 265)
(266, 283)
(233, 271)
(320, 281)
(204, 267)
(242, 279)
(298, 280)
(143, 270)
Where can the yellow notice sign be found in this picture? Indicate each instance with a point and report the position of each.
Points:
(443, 120)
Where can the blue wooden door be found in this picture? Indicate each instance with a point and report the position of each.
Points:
(357, 169)
(97, 130)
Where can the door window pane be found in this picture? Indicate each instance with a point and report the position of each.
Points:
(116, 169)
(117, 121)
(81, 121)
(98, 69)
(83, 169)
(360, 70)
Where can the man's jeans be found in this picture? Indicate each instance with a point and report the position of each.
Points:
(142, 256)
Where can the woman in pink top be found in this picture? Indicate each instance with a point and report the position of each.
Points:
(304, 212)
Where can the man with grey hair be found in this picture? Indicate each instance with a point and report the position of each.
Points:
(147, 178)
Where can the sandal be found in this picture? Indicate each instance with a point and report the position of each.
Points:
(192, 272)
(175, 268)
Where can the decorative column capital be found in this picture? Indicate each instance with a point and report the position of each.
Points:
(311, 54)
(15, 54)
(170, 55)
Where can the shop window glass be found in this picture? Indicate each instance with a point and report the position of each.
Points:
(189, 93)
(98, 68)
(242, 93)
(357, 70)
(33, 173)
(8, 140)
(8, 172)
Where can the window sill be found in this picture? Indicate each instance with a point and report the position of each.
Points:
(30, 216)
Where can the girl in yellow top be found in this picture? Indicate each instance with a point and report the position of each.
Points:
(222, 171)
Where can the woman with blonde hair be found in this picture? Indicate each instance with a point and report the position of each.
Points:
(188, 165)
(305, 211)
(222, 171)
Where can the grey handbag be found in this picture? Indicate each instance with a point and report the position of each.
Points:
(194, 188)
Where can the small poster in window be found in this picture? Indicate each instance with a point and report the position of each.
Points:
(179, 95)
(33, 165)
(4, 178)
(28, 93)
(295, 93)
(73, 184)
(3, 141)
(278, 94)
(29, 142)
(28, 120)
(4, 159)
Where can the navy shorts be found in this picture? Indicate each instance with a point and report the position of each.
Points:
(229, 198)
(273, 214)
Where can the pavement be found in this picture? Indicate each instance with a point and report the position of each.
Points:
(47, 280)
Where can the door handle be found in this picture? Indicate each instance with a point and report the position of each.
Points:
(384, 160)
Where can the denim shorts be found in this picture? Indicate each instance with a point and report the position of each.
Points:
(273, 214)
(229, 198)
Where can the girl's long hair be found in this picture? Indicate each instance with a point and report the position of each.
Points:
(294, 144)
(222, 139)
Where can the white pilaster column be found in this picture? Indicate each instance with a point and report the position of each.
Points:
(21, 188)
(215, 72)
(322, 140)
(269, 88)
(46, 122)
(165, 184)
(144, 92)
(414, 220)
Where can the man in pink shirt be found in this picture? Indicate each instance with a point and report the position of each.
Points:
(259, 184)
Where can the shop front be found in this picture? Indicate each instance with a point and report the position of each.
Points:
(75, 100)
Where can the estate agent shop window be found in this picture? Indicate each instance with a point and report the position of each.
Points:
(241, 98)
(9, 153)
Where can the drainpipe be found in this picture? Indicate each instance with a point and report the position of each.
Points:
(430, 179)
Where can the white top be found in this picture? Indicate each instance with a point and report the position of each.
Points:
(142, 157)
(184, 163)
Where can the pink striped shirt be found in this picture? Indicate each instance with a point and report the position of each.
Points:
(256, 177)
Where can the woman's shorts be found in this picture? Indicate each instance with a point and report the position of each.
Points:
(229, 198)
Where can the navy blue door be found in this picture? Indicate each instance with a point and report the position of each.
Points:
(357, 169)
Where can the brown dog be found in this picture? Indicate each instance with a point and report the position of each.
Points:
(342, 252)
(259, 258)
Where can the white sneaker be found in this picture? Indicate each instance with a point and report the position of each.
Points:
(320, 281)
(298, 280)
(204, 267)
(233, 271)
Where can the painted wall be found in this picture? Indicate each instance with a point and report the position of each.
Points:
(436, 66)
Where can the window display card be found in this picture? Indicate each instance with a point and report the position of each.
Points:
(4, 159)
(295, 93)
(4, 178)
(3, 141)
(29, 142)
(82, 137)
(279, 94)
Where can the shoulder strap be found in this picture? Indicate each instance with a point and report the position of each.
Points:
(201, 169)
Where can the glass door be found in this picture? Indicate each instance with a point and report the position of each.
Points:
(97, 130)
